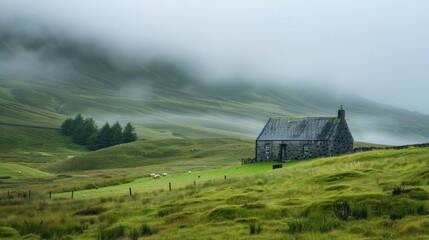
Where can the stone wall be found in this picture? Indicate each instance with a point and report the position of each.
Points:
(342, 140)
(294, 150)
(364, 149)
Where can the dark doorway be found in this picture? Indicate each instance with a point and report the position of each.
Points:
(283, 153)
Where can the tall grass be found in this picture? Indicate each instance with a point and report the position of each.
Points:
(294, 202)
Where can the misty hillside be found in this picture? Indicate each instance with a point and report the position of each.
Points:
(55, 78)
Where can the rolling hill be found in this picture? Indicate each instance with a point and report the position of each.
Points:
(169, 155)
(386, 191)
(45, 79)
(10, 170)
(35, 146)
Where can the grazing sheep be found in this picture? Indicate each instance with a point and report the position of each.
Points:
(152, 174)
(156, 176)
(164, 174)
(189, 172)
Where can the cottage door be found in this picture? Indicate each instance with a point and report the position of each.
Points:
(283, 153)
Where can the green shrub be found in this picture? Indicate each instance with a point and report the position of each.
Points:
(397, 190)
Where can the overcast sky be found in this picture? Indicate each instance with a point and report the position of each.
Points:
(378, 49)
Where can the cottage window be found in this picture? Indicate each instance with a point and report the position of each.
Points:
(306, 150)
(267, 150)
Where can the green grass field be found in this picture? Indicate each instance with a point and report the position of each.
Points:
(35, 146)
(254, 202)
(178, 181)
(10, 170)
(169, 155)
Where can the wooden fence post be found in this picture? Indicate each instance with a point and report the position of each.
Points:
(29, 193)
(72, 194)
(50, 194)
(169, 186)
(195, 183)
(224, 177)
(130, 192)
(8, 194)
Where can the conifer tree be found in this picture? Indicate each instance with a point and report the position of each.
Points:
(92, 141)
(104, 138)
(83, 132)
(67, 127)
(116, 130)
(128, 134)
(77, 121)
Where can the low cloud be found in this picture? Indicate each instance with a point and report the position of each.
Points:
(376, 49)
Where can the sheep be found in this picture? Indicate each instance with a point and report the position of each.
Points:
(189, 172)
(152, 174)
(164, 174)
(156, 176)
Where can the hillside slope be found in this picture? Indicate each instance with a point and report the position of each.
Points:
(294, 202)
(10, 170)
(166, 100)
(35, 146)
(170, 155)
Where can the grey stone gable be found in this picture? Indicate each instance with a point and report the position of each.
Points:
(299, 129)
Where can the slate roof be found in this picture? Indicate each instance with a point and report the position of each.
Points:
(298, 129)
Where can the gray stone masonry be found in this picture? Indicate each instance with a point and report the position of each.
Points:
(285, 139)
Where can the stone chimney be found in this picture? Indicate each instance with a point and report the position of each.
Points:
(341, 113)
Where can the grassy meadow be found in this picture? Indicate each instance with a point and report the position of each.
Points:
(386, 190)
(35, 147)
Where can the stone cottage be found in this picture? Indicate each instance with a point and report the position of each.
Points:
(288, 138)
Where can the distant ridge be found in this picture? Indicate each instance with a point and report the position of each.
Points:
(52, 79)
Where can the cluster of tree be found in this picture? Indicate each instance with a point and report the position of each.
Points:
(85, 132)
